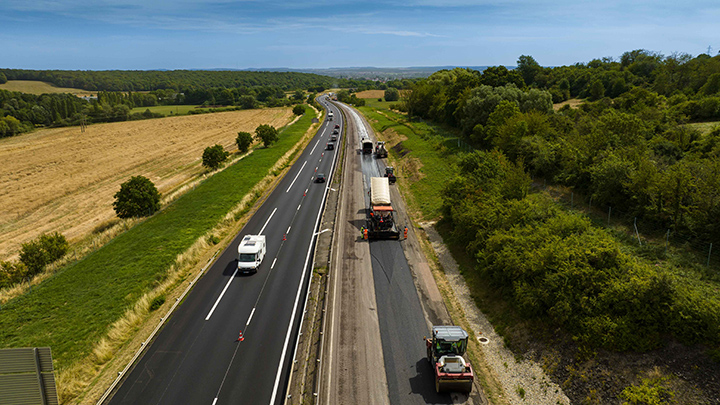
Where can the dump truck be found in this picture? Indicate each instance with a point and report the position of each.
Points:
(380, 151)
(444, 352)
(251, 252)
(367, 145)
(380, 219)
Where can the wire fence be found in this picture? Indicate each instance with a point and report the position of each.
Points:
(654, 238)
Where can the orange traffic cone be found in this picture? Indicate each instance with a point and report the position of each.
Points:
(240, 338)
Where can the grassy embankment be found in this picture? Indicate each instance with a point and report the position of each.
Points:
(73, 309)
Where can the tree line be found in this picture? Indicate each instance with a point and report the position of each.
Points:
(627, 146)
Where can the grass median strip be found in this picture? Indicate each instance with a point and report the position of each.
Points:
(74, 308)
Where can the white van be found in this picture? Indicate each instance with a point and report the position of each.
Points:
(251, 253)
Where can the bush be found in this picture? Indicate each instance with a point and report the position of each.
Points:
(213, 156)
(37, 254)
(137, 197)
(299, 109)
(12, 273)
(392, 94)
(157, 303)
(244, 140)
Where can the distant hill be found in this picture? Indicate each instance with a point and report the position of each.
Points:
(373, 73)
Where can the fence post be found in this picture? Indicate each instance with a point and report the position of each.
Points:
(709, 252)
(636, 232)
(609, 211)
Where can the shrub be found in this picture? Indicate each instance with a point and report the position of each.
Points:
(213, 156)
(137, 197)
(37, 254)
(157, 303)
(243, 140)
(299, 109)
(12, 273)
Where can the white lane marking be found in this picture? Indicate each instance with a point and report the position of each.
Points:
(316, 144)
(215, 401)
(221, 295)
(266, 222)
(273, 265)
(297, 297)
(296, 176)
(298, 209)
(323, 231)
(288, 231)
(306, 190)
(249, 319)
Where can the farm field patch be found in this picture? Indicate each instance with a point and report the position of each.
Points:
(38, 87)
(165, 109)
(64, 180)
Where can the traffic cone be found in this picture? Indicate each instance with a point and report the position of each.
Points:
(284, 236)
(240, 338)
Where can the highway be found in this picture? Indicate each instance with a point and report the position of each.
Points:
(381, 330)
(199, 357)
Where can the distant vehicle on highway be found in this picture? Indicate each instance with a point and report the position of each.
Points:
(333, 138)
(367, 146)
(335, 132)
(330, 116)
(337, 126)
(251, 253)
(320, 178)
(330, 146)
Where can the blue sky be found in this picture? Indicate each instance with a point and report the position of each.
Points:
(184, 34)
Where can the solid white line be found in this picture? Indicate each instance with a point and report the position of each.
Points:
(316, 144)
(215, 401)
(273, 265)
(221, 295)
(296, 176)
(249, 319)
(266, 222)
(298, 208)
(297, 297)
(288, 231)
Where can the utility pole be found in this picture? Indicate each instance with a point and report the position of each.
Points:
(709, 50)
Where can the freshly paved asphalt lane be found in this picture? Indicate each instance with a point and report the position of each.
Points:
(401, 318)
(196, 358)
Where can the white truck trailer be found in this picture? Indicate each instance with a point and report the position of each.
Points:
(251, 253)
(380, 218)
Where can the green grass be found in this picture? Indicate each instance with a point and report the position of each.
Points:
(431, 145)
(73, 309)
(704, 127)
(165, 109)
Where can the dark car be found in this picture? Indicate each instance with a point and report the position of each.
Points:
(320, 178)
(337, 126)
(335, 132)
(330, 146)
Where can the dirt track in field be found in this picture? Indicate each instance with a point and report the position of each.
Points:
(64, 180)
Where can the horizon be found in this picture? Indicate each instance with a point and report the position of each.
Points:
(252, 35)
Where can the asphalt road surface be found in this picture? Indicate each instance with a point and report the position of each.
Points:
(197, 358)
(402, 320)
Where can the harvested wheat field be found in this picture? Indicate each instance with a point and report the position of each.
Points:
(38, 87)
(64, 180)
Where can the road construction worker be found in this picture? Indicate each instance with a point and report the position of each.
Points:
(365, 234)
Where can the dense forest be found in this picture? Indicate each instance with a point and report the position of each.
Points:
(628, 147)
